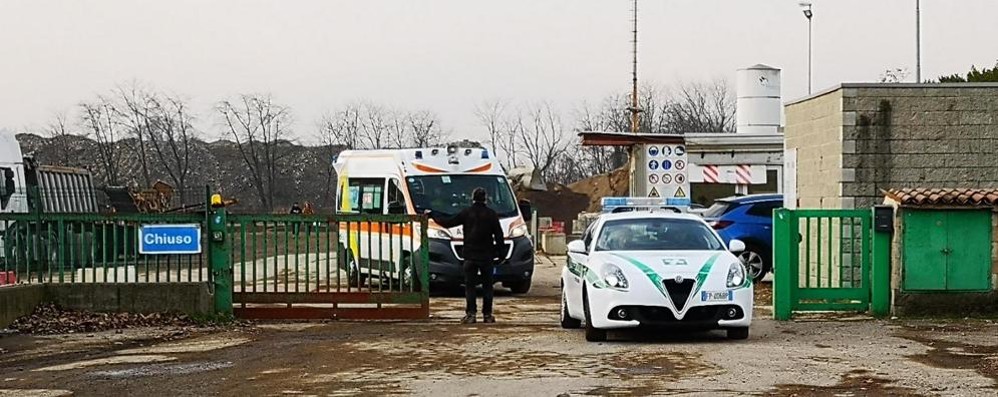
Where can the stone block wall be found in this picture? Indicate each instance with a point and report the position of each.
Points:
(907, 135)
(814, 129)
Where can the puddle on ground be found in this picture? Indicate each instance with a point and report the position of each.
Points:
(190, 346)
(163, 369)
(954, 355)
(34, 393)
(141, 359)
(855, 383)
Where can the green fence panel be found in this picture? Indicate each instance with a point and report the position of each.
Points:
(89, 248)
(825, 260)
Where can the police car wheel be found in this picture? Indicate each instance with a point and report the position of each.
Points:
(593, 334)
(740, 333)
(567, 321)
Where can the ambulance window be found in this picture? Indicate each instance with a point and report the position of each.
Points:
(396, 200)
(366, 195)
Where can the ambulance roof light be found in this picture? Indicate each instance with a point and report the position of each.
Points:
(485, 153)
(451, 149)
(419, 154)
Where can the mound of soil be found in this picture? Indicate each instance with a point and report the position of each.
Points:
(564, 203)
(614, 184)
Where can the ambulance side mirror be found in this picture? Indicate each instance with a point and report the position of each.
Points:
(526, 210)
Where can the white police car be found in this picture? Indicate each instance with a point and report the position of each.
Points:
(655, 269)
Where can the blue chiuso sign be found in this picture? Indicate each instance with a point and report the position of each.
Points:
(170, 239)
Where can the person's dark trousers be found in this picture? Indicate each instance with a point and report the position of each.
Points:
(471, 278)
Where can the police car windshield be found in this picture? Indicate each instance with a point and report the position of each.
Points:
(656, 234)
(448, 194)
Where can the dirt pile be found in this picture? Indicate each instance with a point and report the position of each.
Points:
(50, 319)
(564, 203)
(616, 183)
(559, 203)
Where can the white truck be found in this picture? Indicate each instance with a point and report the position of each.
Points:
(441, 179)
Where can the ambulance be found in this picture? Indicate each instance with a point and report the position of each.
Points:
(413, 181)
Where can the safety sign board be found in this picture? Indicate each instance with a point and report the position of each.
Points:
(666, 173)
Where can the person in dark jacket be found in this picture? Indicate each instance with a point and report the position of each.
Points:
(483, 246)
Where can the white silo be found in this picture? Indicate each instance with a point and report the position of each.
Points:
(759, 104)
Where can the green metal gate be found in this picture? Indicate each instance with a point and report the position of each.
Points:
(339, 266)
(829, 260)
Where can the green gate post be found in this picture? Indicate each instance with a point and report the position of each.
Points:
(783, 242)
(880, 278)
(218, 258)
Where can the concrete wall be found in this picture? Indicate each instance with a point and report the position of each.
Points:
(858, 139)
(189, 298)
(19, 300)
(814, 128)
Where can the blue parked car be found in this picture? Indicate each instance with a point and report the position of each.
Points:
(749, 219)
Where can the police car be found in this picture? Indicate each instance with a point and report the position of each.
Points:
(654, 268)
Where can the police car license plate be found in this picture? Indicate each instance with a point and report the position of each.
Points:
(716, 296)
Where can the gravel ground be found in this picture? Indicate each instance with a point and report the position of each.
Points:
(525, 354)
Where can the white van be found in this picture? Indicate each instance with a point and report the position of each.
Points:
(411, 181)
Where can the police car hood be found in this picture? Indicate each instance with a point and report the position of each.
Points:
(667, 264)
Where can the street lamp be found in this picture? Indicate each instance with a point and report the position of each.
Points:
(918, 41)
(806, 6)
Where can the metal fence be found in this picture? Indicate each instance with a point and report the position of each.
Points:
(87, 248)
(339, 266)
(828, 260)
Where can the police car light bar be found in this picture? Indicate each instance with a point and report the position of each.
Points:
(621, 204)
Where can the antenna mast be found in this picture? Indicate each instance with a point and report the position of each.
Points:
(634, 74)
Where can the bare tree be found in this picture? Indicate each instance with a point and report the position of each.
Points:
(61, 133)
(172, 137)
(375, 127)
(399, 132)
(700, 107)
(98, 119)
(424, 129)
(341, 128)
(258, 125)
(492, 115)
(135, 112)
(541, 137)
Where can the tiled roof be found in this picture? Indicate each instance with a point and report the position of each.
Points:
(945, 197)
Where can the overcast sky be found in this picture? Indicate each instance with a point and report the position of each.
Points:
(448, 55)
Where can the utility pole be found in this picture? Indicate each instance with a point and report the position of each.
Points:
(918, 41)
(635, 110)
